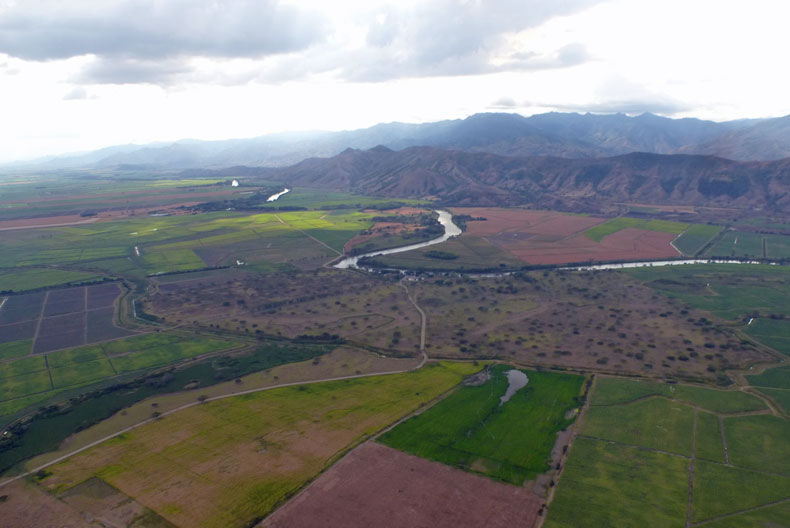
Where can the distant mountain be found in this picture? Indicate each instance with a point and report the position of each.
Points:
(474, 178)
(552, 134)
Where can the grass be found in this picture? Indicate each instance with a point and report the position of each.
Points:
(78, 366)
(780, 396)
(693, 239)
(24, 385)
(612, 391)
(15, 349)
(709, 444)
(720, 490)
(318, 199)
(606, 485)
(774, 333)
(83, 372)
(614, 225)
(747, 244)
(19, 280)
(759, 442)
(776, 377)
(267, 433)
(654, 423)
(469, 429)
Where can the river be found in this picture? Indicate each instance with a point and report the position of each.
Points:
(274, 197)
(450, 230)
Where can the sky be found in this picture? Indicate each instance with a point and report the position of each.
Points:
(78, 75)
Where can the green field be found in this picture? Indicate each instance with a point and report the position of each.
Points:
(77, 366)
(511, 442)
(747, 244)
(15, 349)
(709, 445)
(693, 239)
(145, 463)
(773, 332)
(179, 243)
(759, 442)
(606, 485)
(780, 396)
(611, 391)
(318, 199)
(614, 225)
(720, 490)
(18, 280)
(646, 481)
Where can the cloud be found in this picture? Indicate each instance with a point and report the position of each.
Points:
(42, 30)
(152, 41)
(76, 93)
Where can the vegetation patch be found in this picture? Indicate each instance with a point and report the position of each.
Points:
(695, 237)
(471, 430)
(19, 280)
(614, 225)
(759, 442)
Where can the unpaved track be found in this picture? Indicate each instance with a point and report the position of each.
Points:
(689, 508)
(193, 404)
(724, 440)
(739, 512)
(423, 322)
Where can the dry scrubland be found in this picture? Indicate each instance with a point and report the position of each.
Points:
(179, 466)
(355, 306)
(602, 320)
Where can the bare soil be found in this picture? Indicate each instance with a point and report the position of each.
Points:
(379, 486)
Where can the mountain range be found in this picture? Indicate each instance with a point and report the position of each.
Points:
(476, 178)
(567, 135)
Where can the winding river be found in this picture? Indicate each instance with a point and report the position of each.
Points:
(450, 230)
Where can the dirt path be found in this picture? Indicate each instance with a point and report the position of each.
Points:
(330, 248)
(723, 440)
(689, 508)
(193, 404)
(423, 323)
(739, 512)
(40, 318)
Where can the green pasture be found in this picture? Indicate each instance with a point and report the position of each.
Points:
(759, 442)
(511, 442)
(767, 517)
(15, 349)
(614, 391)
(473, 253)
(709, 445)
(721, 490)
(694, 238)
(18, 280)
(614, 225)
(748, 244)
(22, 376)
(607, 485)
(780, 396)
(773, 332)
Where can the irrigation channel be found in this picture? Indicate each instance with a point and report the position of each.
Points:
(452, 230)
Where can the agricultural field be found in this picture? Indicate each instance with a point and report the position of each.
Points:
(322, 199)
(62, 318)
(472, 429)
(753, 245)
(298, 432)
(664, 460)
(695, 237)
(144, 245)
(753, 295)
(39, 377)
(20, 280)
(375, 485)
(599, 232)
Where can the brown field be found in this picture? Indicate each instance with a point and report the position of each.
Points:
(64, 318)
(547, 237)
(379, 486)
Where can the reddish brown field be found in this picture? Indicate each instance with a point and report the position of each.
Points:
(379, 486)
(500, 221)
(546, 237)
